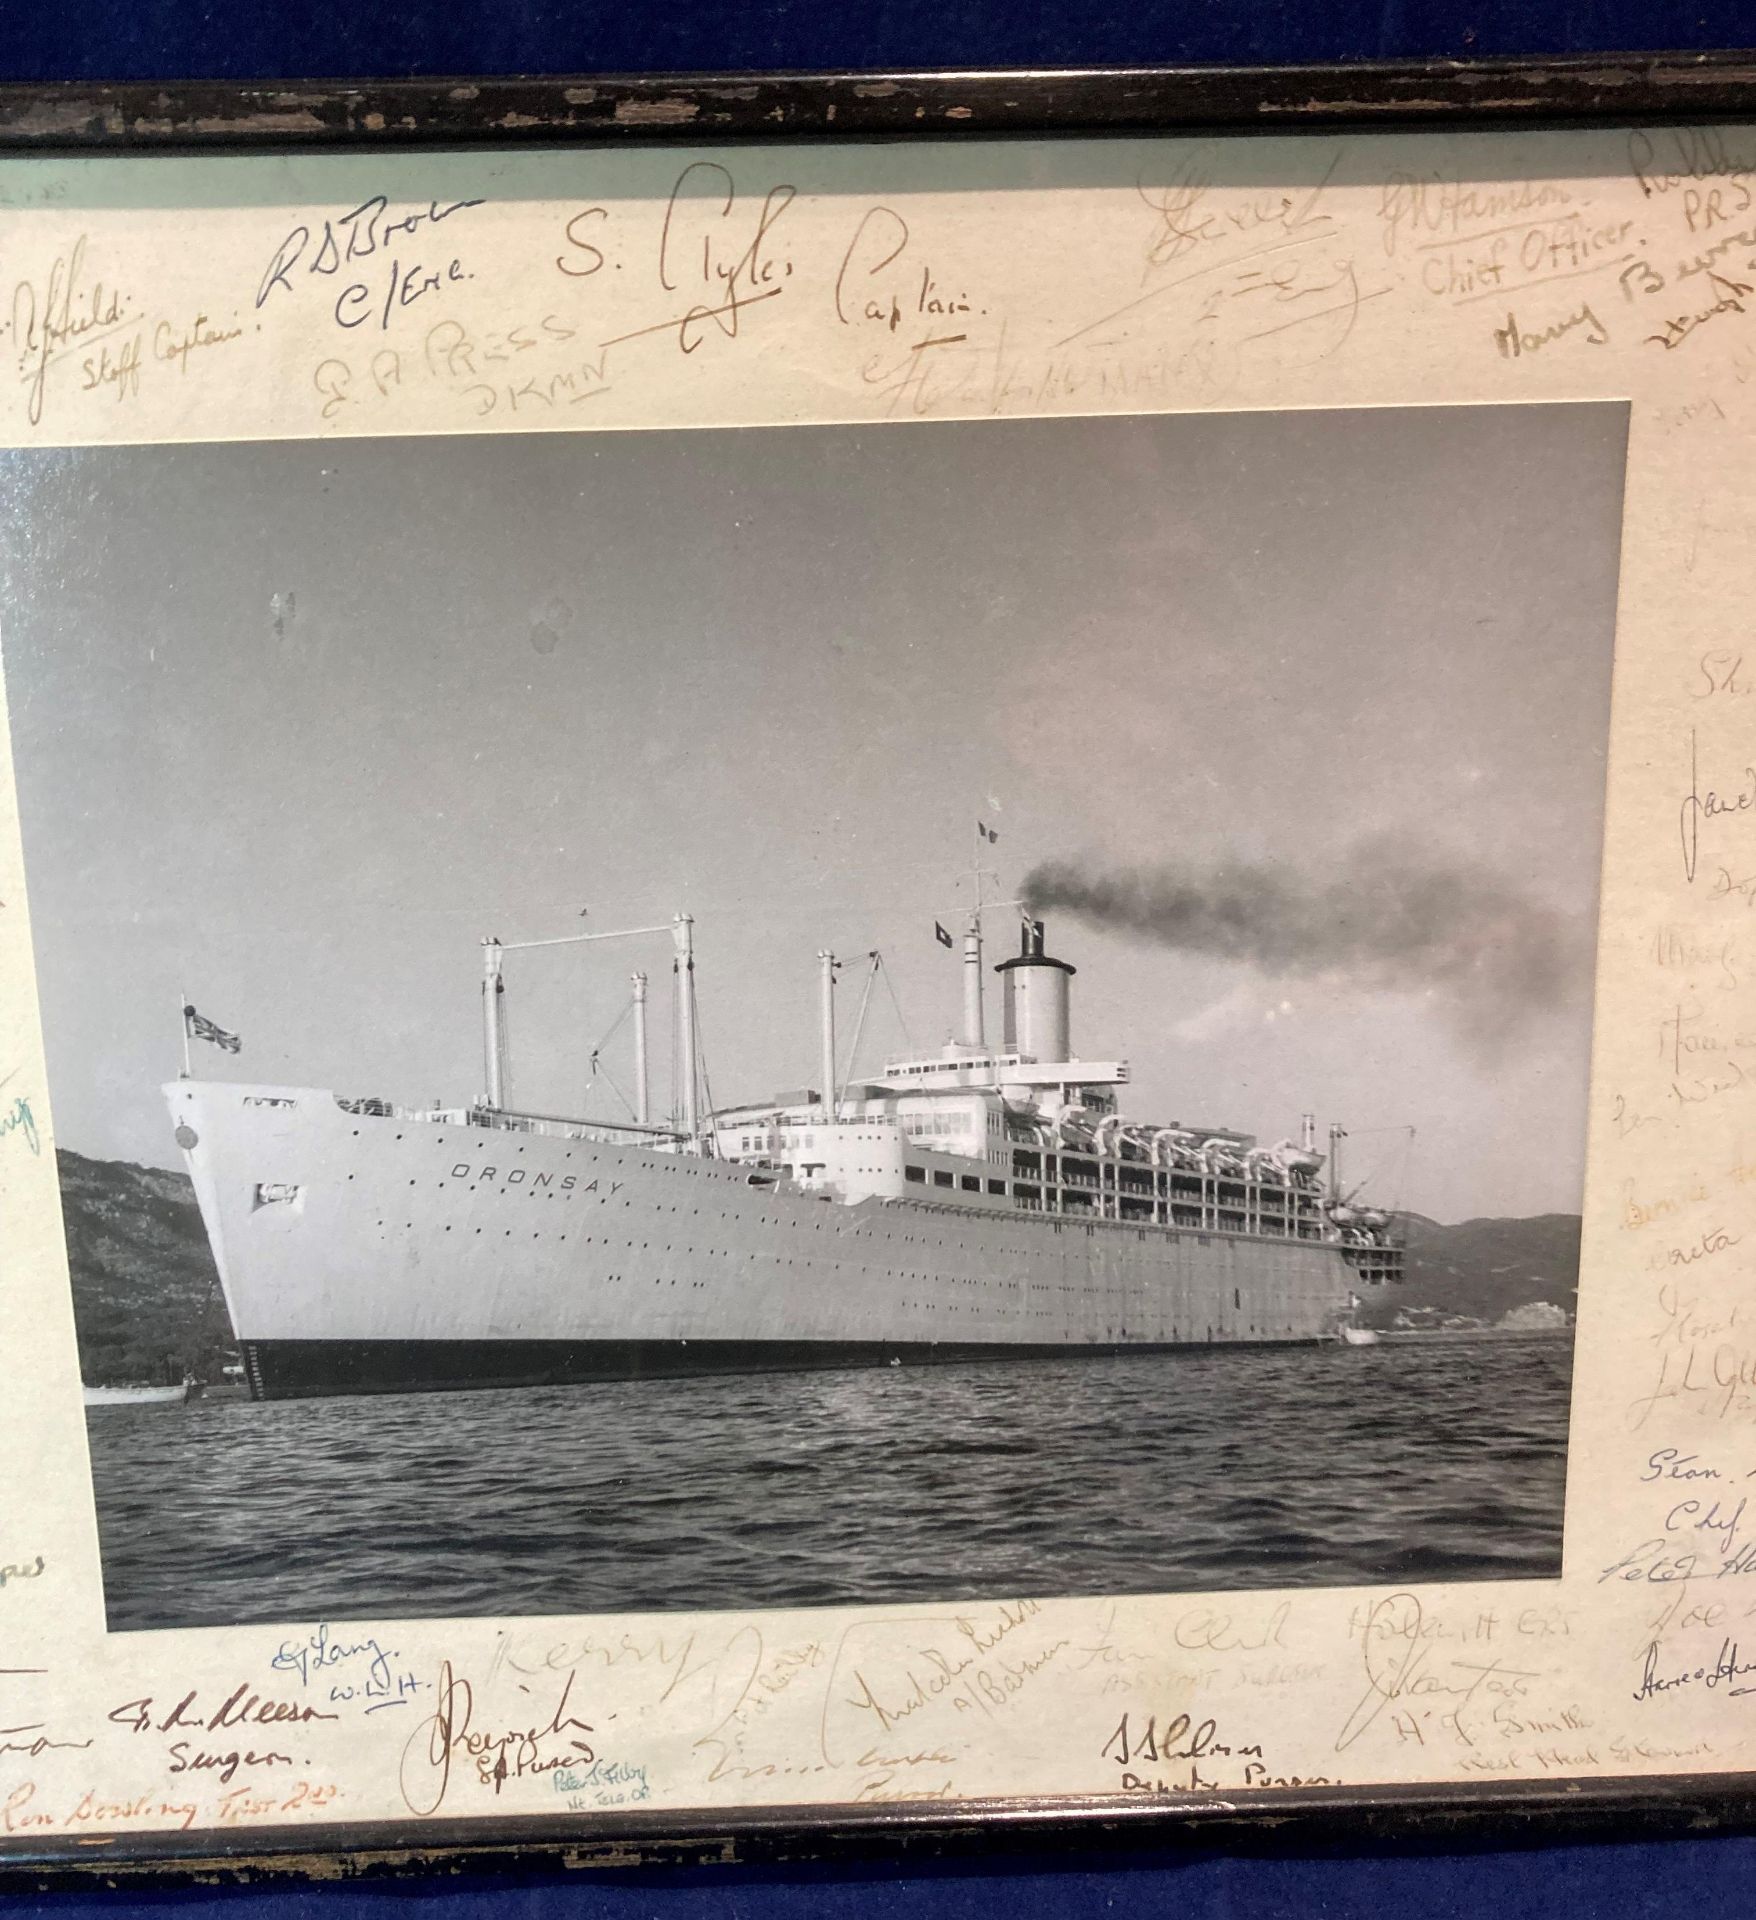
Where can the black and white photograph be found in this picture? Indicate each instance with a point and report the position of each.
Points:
(767, 1017)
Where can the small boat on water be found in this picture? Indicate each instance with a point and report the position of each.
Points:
(1360, 1336)
(172, 1395)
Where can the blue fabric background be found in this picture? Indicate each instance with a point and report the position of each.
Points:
(165, 39)
(1703, 1879)
(249, 39)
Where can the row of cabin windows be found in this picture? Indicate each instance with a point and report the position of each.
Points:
(761, 1142)
(775, 1142)
(912, 1070)
(964, 1182)
(784, 1142)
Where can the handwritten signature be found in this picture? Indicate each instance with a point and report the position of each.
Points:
(495, 1755)
(705, 248)
(1403, 1676)
(65, 313)
(1726, 1667)
(41, 1741)
(369, 232)
(1186, 224)
(379, 1683)
(1697, 807)
(19, 1119)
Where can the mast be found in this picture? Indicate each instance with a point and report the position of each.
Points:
(1336, 1137)
(642, 1096)
(493, 986)
(974, 1025)
(826, 962)
(493, 1050)
(972, 984)
(683, 934)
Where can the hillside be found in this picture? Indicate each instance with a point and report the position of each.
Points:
(146, 1298)
(1483, 1269)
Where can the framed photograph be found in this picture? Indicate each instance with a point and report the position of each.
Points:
(874, 958)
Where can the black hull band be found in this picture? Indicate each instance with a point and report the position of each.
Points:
(306, 1369)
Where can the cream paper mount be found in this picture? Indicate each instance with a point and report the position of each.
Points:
(873, 984)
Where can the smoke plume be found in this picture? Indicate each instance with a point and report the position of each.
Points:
(1385, 918)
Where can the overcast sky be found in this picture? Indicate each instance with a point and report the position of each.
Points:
(297, 724)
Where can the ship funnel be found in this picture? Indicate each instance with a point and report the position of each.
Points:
(1036, 1010)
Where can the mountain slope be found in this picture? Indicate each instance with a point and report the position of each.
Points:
(1483, 1269)
(146, 1297)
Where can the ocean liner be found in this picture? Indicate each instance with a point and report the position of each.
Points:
(986, 1203)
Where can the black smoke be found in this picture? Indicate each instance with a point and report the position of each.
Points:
(1384, 918)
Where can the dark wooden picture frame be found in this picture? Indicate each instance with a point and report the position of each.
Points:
(650, 109)
(141, 119)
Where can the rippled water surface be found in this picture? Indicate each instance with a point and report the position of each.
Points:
(1232, 1468)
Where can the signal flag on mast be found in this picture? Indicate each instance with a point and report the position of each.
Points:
(939, 934)
(987, 832)
(199, 1027)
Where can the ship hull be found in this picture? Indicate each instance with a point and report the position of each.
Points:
(364, 1253)
(310, 1369)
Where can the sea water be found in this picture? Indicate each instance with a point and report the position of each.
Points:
(1200, 1469)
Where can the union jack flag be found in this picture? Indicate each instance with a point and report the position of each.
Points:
(199, 1027)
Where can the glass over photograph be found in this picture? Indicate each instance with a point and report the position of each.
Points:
(766, 1017)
